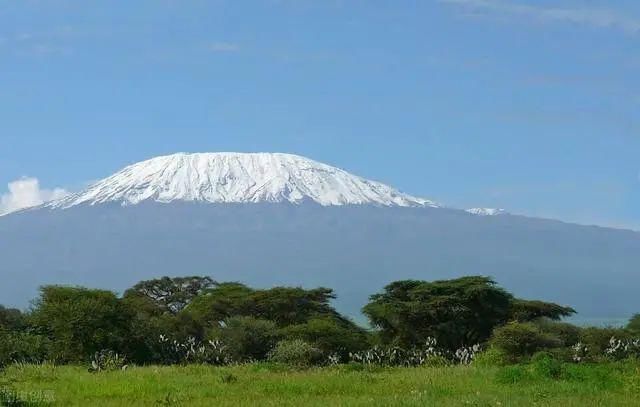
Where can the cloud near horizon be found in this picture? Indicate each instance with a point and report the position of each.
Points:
(25, 193)
(595, 17)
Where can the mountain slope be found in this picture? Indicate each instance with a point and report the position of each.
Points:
(356, 249)
(237, 178)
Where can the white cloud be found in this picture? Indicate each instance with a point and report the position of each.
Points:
(25, 193)
(604, 18)
(223, 47)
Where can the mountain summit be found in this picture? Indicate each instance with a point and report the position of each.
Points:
(238, 178)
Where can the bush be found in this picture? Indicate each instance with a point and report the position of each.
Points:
(330, 335)
(11, 319)
(620, 349)
(172, 351)
(491, 357)
(597, 341)
(146, 325)
(296, 352)
(634, 324)
(520, 340)
(567, 333)
(545, 365)
(564, 354)
(80, 322)
(248, 338)
(107, 360)
(429, 354)
(22, 347)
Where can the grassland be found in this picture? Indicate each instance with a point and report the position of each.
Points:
(264, 385)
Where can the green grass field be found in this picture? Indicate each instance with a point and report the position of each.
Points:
(260, 384)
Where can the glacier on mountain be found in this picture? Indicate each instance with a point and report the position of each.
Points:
(486, 211)
(238, 178)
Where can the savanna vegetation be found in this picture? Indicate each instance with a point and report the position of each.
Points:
(193, 340)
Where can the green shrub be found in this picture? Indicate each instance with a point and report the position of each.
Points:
(212, 352)
(107, 360)
(567, 333)
(634, 324)
(597, 340)
(247, 338)
(491, 357)
(330, 335)
(520, 340)
(296, 352)
(22, 347)
(80, 322)
(564, 354)
(11, 319)
(545, 365)
(146, 324)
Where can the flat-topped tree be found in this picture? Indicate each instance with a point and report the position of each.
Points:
(456, 312)
(282, 305)
(170, 295)
(527, 310)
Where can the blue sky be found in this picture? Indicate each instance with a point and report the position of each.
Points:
(533, 106)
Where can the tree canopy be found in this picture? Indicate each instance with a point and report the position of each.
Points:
(456, 312)
(11, 319)
(634, 323)
(526, 310)
(79, 321)
(170, 295)
(70, 324)
(282, 305)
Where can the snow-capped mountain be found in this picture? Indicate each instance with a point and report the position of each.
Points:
(238, 178)
(332, 229)
(486, 211)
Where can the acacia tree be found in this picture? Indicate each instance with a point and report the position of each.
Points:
(156, 308)
(170, 295)
(526, 310)
(282, 305)
(244, 316)
(80, 321)
(456, 312)
(292, 305)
